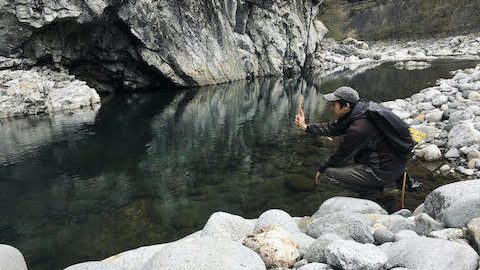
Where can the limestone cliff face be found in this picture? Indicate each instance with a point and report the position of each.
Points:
(381, 19)
(138, 43)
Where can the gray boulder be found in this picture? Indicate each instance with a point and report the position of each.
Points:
(316, 251)
(463, 134)
(227, 225)
(276, 217)
(430, 152)
(424, 224)
(350, 255)
(11, 258)
(429, 254)
(454, 204)
(206, 253)
(345, 225)
(348, 205)
(434, 116)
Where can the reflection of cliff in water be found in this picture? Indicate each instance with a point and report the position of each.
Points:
(225, 133)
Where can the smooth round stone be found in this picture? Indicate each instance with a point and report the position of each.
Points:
(276, 217)
(434, 116)
(430, 153)
(452, 153)
(474, 95)
(348, 205)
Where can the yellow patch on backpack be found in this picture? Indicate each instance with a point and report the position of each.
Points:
(417, 135)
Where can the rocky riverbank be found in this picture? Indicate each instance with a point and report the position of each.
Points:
(449, 113)
(351, 54)
(39, 90)
(345, 233)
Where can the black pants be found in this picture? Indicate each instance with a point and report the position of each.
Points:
(357, 177)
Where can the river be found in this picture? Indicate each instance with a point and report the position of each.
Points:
(151, 167)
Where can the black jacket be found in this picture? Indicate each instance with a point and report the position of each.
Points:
(362, 142)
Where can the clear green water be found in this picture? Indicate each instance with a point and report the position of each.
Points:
(152, 167)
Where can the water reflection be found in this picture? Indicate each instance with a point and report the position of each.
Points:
(151, 168)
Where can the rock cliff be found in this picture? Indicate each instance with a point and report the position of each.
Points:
(118, 44)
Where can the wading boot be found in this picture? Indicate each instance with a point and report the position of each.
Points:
(412, 184)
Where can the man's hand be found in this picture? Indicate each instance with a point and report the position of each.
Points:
(317, 177)
(300, 120)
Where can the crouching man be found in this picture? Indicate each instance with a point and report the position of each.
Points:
(375, 147)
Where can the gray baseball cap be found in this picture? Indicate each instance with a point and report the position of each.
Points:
(346, 93)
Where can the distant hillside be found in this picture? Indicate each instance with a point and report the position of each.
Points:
(384, 19)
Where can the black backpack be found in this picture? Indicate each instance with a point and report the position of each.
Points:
(394, 129)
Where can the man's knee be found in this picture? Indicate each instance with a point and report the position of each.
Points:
(333, 175)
